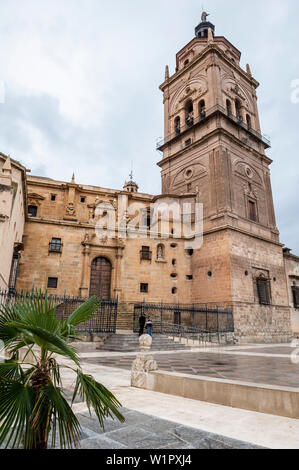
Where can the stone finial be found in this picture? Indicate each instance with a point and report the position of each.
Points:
(73, 178)
(6, 173)
(210, 36)
(6, 169)
(166, 72)
(145, 342)
(248, 70)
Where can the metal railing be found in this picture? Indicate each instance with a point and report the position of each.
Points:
(103, 319)
(204, 116)
(186, 334)
(178, 318)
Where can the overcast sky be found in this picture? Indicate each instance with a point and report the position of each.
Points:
(81, 82)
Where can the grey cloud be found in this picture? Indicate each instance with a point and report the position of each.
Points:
(118, 50)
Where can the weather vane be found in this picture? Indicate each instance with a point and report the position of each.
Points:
(131, 174)
(204, 15)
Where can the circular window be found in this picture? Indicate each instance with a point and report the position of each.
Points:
(173, 275)
(274, 279)
(188, 173)
(210, 274)
(174, 290)
(246, 273)
(173, 245)
(249, 172)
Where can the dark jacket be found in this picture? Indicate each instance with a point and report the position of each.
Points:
(142, 320)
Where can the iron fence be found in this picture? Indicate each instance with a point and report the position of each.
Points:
(103, 319)
(190, 319)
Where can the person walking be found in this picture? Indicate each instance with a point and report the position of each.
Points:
(149, 326)
(141, 324)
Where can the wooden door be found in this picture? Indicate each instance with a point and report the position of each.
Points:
(100, 278)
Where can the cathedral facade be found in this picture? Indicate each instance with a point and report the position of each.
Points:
(213, 154)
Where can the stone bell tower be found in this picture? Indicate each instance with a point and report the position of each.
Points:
(213, 148)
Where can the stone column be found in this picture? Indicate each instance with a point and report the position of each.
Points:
(84, 276)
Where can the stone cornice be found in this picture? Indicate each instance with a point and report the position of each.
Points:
(216, 131)
(244, 232)
(88, 190)
(291, 256)
(209, 48)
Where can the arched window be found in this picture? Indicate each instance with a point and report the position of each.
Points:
(202, 109)
(189, 113)
(248, 121)
(238, 109)
(177, 125)
(160, 252)
(228, 107)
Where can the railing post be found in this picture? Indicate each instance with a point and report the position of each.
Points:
(63, 308)
(218, 325)
(206, 319)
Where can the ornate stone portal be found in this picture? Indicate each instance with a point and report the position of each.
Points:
(143, 364)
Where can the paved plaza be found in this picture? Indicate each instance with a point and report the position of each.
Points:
(156, 420)
(208, 425)
(264, 367)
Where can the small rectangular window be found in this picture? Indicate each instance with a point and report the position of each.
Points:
(55, 245)
(189, 277)
(188, 142)
(52, 282)
(144, 288)
(145, 253)
(146, 217)
(263, 290)
(295, 290)
(32, 211)
(53, 197)
(252, 211)
(82, 200)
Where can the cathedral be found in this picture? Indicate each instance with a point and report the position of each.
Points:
(213, 153)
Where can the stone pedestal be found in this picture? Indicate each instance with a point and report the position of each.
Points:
(143, 363)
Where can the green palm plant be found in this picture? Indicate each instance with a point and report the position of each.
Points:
(32, 405)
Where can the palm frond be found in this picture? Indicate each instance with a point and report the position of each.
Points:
(97, 397)
(52, 408)
(7, 314)
(10, 370)
(16, 404)
(84, 312)
(38, 309)
(47, 340)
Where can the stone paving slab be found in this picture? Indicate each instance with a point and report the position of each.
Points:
(284, 350)
(141, 431)
(257, 369)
